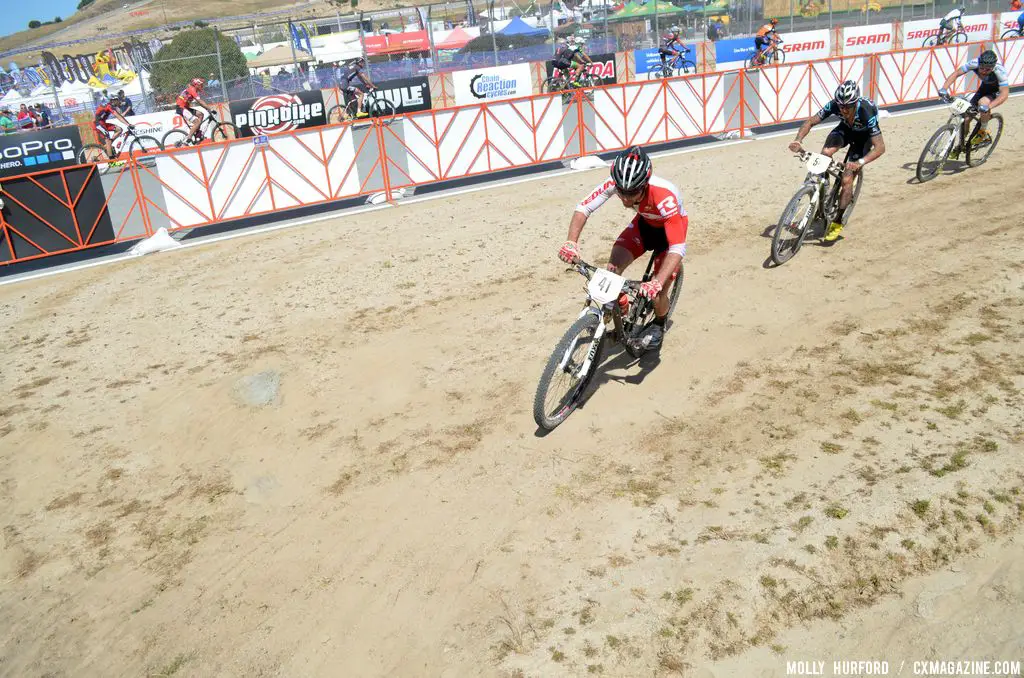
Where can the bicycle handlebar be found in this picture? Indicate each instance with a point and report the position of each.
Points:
(834, 168)
(587, 271)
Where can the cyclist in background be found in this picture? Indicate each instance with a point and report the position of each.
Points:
(993, 91)
(358, 84)
(571, 60)
(106, 130)
(765, 38)
(192, 95)
(671, 47)
(950, 23)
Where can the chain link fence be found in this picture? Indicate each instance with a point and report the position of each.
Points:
(293, 54)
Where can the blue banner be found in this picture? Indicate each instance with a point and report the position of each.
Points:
(737, 49)
(649, 60)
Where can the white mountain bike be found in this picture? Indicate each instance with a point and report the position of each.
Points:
(615, 308)
(950, 138)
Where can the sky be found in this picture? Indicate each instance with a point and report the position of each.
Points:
(16, 14)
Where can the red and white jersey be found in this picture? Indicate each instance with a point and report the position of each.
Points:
(661, 207)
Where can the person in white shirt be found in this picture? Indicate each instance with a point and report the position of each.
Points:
(950, 23)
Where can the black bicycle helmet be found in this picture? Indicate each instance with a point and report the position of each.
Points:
(847, 93)
(988, 58)
(632, 170)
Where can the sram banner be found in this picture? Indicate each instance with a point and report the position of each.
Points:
(1007, 22)
(872, 39)
(481, 85)
(41, 150)
(977, 26)
(603, 68)
(407, 94)
(278, 113)
(807, 45)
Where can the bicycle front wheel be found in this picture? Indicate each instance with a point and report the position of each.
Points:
(686, 68)
(563, 382)
(143, 145)
(935, 153)
(223, 131)
(794, 225)
(382, 108)
(779, 57)
(977, 155)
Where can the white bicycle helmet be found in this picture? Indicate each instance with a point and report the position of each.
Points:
(847, 93)
(632, 170)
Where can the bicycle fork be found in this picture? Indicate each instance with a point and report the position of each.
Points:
(602, 327)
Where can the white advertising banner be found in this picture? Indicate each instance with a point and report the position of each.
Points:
(157, 124)
(916, 32)
(978, 27)
(807, 45)
(858, 40)
(481, 85)
(1008, 21)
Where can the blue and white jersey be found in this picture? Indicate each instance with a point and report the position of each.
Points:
(865, 119)
(997, 78)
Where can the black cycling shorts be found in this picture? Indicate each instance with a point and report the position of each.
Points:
(859, 142)
(989, 91)
(562, 65)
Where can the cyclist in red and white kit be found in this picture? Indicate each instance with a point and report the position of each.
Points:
(107, 130)
(660, 226)
(191, 95)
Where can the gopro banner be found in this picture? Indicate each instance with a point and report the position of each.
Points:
(407, 94)
(481, 85)
(40, 150)
(278, 113)
(603, 68)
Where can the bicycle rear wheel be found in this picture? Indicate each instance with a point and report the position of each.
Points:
(176, 138)
(931, 41)
(562, 385)
(978, 155)
(553, 84)
(1010, 34)
(336, 115)
(935, 153)
(92, 153)
(959, 39)
(794, 224)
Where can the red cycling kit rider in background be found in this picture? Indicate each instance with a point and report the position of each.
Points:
(660, 226)
(107, 130)
(191, 95)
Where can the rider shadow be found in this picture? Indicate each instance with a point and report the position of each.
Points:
(815, 238)
(951, 168)
(618, 358)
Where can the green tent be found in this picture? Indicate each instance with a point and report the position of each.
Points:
(656, 7)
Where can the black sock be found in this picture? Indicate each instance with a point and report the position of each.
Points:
(660, 322)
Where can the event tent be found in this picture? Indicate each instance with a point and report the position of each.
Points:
(281, 55)
(457, 39)
(519, 27)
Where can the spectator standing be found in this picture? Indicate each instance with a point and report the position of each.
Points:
(266, 79)
(6, 122)
(125, 104)
(44, 116)
(25, 121)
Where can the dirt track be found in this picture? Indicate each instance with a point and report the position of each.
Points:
(815, 439)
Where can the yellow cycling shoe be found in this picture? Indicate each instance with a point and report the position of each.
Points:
(833, 232)
(981, 137)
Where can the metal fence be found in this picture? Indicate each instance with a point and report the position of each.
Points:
(311, 52)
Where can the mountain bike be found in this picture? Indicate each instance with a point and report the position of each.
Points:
(209, 128)
(559, 82)
(816, 201)
(135, 144)
(375, 104)
(773, 55)
(676, 66)
(614, 308)
(1012, 33)
(941, 38)
(949, 139)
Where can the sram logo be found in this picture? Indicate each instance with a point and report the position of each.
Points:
(805, 46)
(876, 39)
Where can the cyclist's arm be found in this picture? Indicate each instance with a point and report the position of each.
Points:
(202, 103)
(805, 128)
(120, 117)
(588, 206)
(953, 77)
(366, 80)
(877, 149)
(675, 234)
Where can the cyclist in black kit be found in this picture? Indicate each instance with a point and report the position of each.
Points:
(858, 129)
(571, 60)
(356, 83)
